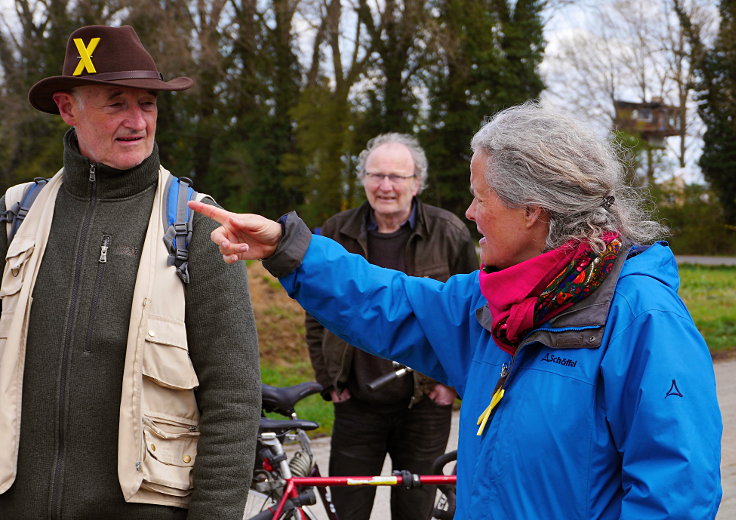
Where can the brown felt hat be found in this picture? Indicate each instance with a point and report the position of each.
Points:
(102, 55)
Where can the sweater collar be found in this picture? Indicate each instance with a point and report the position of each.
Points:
(111, 183)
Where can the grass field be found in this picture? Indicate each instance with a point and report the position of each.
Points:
(284, 357)
(709, 292)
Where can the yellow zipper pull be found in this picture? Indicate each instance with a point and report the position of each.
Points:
(483, 419)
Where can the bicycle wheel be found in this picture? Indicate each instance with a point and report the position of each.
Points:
(258, 502)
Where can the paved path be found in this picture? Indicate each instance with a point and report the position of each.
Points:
(726, 381)
(706, 260)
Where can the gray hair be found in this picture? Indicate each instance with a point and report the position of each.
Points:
(541, 157)
(417, 154)
(76, 93)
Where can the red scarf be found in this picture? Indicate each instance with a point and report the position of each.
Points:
(527, 295)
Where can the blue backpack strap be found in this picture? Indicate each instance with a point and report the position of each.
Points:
(17, 213)
(177, 220)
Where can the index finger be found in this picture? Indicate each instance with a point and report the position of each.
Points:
(218, 214)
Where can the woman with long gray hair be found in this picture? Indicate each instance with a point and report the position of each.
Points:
(587, 390)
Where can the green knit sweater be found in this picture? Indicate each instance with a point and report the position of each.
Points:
(67, 462)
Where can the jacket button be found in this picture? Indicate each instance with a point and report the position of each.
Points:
(591, 339)
(152, 333)
(153, 447)
(187, 459)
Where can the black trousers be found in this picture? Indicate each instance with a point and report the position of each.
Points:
(363, 433)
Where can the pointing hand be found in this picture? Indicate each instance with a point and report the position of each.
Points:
(241, 236)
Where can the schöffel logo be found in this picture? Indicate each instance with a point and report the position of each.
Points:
(551, 358)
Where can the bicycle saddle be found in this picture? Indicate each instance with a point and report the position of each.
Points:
(282, 399)
(280, 426)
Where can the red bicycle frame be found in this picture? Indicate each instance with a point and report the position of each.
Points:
(403, 479)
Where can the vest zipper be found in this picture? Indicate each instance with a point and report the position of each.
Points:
(55, 495)
(103, 249)
(101, 263)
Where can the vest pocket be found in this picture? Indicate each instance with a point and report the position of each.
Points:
(166, 358)
(170, 414)
(19, 251)
(171, 448)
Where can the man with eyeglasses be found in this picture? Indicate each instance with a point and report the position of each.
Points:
(408, 418)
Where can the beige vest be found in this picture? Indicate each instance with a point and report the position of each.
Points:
(158, 428)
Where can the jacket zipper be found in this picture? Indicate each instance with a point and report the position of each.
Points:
(498, 393)
(55, 495)
(101, 263)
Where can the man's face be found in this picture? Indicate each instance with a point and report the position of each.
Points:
(115, 126)
(390, 198)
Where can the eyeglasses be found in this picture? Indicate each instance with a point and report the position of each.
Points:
(377, 178)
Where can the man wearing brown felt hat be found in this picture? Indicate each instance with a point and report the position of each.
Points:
(121, 394)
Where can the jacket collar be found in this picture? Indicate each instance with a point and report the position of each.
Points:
(111, 183)
(582, 325)
(372, 225)
(355, 226)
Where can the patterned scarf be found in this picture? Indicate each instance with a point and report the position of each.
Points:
(525, 296)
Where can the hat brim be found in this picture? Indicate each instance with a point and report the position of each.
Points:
(41, 94)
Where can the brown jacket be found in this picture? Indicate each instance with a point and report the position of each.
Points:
(439, 246)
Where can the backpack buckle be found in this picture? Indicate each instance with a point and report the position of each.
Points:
(181, 228)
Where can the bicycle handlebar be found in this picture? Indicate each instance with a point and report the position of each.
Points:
(387, 378)
(403, 478)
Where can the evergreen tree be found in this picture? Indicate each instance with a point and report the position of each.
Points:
(488, 58)
(716, 69)
(232, 129)
(30, 141)
(263, 87)
(397, 40)
(324, 164)
(324, 117)
(718, 111)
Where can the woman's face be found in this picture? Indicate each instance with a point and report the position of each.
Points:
(510, 235)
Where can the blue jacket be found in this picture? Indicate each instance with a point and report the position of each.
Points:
(610, 409)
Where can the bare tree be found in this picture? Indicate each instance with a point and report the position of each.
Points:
(631, 50)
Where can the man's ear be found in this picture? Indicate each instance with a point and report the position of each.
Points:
(67, 107)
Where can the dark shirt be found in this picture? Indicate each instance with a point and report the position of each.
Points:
(385, 250)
